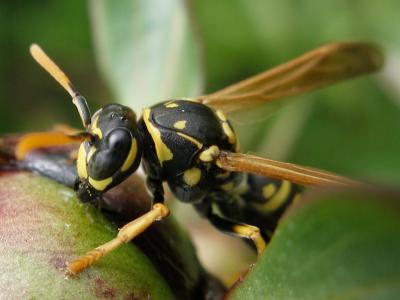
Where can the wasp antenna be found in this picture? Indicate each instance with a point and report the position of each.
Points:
(51, 67)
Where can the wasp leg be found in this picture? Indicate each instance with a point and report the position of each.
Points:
(32, 141)
(239, 229)
(156, 189)
(125, 235)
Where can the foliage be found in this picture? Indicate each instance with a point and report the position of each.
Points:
(150, 50)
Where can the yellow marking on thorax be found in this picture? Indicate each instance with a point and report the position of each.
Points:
(226, 127)
(277, 200)
(192, 176)
(131, 156)
(163, 152)
(171, 105)
(191, 139)
(100, 185)
(221, 115)
(92, 150)
(229, 133)
(96, 130)
(180, 124)
(81, 162)
(209, 154)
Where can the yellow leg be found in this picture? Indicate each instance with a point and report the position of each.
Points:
(125, 235)
(238, 229)
(253, 233)
(32, 141)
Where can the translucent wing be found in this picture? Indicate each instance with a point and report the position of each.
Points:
(315, 69)
(238, 162)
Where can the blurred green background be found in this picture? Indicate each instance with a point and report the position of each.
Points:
(351, 128)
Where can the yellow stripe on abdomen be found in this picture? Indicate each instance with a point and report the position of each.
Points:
(277, 200)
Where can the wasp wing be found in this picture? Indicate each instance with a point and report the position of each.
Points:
(315, 69)
(239, 162)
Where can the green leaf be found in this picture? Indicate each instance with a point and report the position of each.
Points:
(353, 127)
(42, 225)
(146, 50)
(341, 246)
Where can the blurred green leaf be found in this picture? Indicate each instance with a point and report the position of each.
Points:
(42, 225)
(351, 128)
(146, 49)
(338, 246)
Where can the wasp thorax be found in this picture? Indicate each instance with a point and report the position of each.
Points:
(115, 151)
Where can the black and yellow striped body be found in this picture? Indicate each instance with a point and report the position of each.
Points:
(179, 142)
(182, 139)
(259, 201)
(113, 154)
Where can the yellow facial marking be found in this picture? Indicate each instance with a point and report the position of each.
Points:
(268, 190)
(191, 139)
(192, 176)
(96, 130)
(131, 156)
(277, 200)
(171, 105)
(180, 124)
(163, 152)
(92, 150)
(229, 133)
(221, 115)
(209, 154)
(100, 185)
(81, 162)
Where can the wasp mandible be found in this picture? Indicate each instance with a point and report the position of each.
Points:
(191, 145)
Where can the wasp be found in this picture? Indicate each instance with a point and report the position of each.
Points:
(191, 145)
